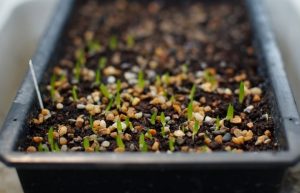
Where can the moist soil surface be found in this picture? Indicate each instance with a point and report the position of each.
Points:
(156, 77)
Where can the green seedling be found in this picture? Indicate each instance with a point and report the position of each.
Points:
(142, 144)
(51, 139)
(52, 87)
(118, 96)
(195, 129)
(209, 77)
(184, 68)
(192, 92)
(119, 127)
(104, 91)
(80, 56)
(93, 47)
(98, 77)
(217, 123)
(230, 112)
(91, 120)
(166, 78)
(149, 135)
(241, 92)
(153, 118)
(102, 62)
(111, 102)
(113, 43)
(157, 80)
(141, 81)
(172, 144)
(119, 142)
(190, 110)
(128, 124)
(74, 93)
(163, 122)
(130, 41)
(86, 143)
(40, 147)
(172, 99)
(56, 147)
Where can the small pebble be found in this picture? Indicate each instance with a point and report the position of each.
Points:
(63, 141)
(135, 101)
(62, 130)
(226, 137)
(111, 79)
(59, 106)
(236, 119)
(110, 117)
(179, 133)
(219, 139)
(80, 106)
(105, 144)
(64, 148)
(155, 146)
(37, 139)
(249, 109)
(138, 115)
(250, 125)
(180, 140)
(124, 126)
(31, 149)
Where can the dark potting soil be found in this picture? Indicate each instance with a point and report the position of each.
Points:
(148, 57)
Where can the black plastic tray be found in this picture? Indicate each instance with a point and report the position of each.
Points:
(259, 172)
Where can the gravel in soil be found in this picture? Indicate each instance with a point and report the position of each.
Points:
(154, 77)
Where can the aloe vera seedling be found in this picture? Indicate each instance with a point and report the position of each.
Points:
(51, 139)
(110, 104)
(74, 93)
(118, 96)
(91, 120)
(130, 41)
(113, 42)
(165, 78)
(102, 62)
(128, 124)
(86, 143)
(141, 81)
(217, 123)
(52, 87)
(98, 77)
(119, 142)
(104, 91)
(119, 127)
(192, 92)
(163, 122)
(77, 71)
(209, 77)
(142, 143)
(93, 47)
(241, 92)
(195, 129)
(190, 110)
(153, 118)
(230, 112)
(172, 144)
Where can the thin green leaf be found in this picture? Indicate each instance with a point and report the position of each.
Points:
(192, 93)
(119, 142)
(98, 77)
(113, 42)
(111, 102)
(217, 123)
(91, 120)
(141, 81)
(119, 127)
(86, 143)
(209, 77)
(241, 92)
(153, 118)
(74, 93)
(40, 147)
(190, 110)
(163, 118)
(172, 143)
(230, 112)
(196, 129)
(102, 62)
(51, 139)
(104, 91)
(130, 41)
(142, 144)
(56, 147)
(93, 47)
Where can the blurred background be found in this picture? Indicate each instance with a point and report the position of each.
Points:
(22, 23)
